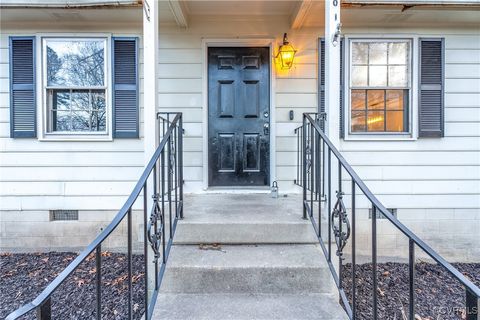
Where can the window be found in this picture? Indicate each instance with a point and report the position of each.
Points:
(75, 85)
(379, 86)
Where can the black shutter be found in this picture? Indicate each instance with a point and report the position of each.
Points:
(321, 83)
(342, 85)
(431, 88)
(23, 122)
(125, 88)
(321, 79)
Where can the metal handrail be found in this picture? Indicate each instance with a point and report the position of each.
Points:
(308, 180)
(42, 301)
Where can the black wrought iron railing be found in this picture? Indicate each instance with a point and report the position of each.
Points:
(158, 198)
(333, 197)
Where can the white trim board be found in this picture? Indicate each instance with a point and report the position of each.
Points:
(240, 42)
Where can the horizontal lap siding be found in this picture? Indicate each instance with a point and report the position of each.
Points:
(44, 175)
(180, 88)
(437, 173)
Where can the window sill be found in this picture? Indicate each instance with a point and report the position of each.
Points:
(75, 137)
(380, 137)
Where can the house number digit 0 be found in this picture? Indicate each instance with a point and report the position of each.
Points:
(335, 3)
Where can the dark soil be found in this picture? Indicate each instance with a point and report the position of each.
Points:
(24, 276)
(438, 296)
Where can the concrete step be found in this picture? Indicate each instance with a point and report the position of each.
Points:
(248, 306)
(291, 269)
(243, 219)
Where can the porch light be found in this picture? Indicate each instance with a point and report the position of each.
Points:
(286, 53)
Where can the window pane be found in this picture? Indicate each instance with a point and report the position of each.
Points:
(397, 76)
(81, 121)
(358, 99)
(75, 62)
(60, 99)
(375, 121)
(395, 100)
(61, 121)
(378, 76)
(80, 100)
(359, 76)
(358, 121)
(397, 53)
(376, 99)
(378, 53)
(359, 53)
(99, 111)
(395, 121)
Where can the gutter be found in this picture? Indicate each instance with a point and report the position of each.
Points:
(70, 4)
(412, 3)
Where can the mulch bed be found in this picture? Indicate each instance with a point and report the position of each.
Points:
(24, 276)
(438, 296)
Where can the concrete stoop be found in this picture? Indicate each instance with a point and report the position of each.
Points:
(266, 263)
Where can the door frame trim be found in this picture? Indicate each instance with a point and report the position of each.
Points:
(238, 42)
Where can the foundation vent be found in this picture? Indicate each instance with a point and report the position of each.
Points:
(63, 215)
(381, 216)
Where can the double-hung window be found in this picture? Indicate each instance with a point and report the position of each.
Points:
(75, 85)
(380, 86)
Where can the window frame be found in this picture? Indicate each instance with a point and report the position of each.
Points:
(412, 88)
(42, 90)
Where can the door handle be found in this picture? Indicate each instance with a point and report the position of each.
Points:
(266, 128)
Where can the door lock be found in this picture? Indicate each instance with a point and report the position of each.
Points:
(266, 128)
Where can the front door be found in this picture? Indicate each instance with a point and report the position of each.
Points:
(238, 116)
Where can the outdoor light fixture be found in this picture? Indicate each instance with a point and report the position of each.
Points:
(336, 35)
(286, 53)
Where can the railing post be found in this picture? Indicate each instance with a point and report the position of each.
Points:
(129, 262)
(374, 261)
(180, 162)
(98, 260)
(411, 271)
(145, 247)
(304, 160)
(472, 306)
(354, 287)
(44, 312)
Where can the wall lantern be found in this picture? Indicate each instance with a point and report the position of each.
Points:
(286, 54)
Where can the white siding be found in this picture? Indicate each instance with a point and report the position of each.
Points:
(44, 175)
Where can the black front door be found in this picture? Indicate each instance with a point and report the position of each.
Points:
(238, 116)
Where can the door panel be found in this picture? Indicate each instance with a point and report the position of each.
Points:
(238, 116)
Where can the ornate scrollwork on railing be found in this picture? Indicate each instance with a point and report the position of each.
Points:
(340, 224)
(172, 160)
(308, 152)
(155, 228)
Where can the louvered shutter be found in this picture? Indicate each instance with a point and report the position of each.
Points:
(321, 82)
(342, 85)
(431, 88)
(125, 88)
(321, 79)
(23, 122)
